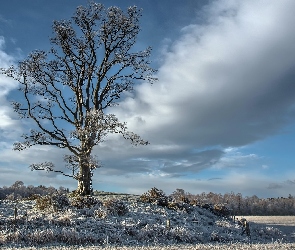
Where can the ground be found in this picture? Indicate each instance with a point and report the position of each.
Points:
(140, 226)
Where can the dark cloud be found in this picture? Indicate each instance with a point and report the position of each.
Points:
(228, 82)
(274, 186)
(193, 162)
(214, 179)
(125, 167)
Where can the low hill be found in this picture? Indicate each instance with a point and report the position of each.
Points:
(118, 219)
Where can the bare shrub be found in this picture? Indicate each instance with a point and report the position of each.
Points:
(56, 202)
(60, 201)
(101, 212)
(155, 196)
(43, 202)
(221, 210)
(33, 197)
(41, 236)
(84, 202)
(116, 207)
(13, 196)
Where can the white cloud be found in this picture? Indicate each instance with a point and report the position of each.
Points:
(236, 159)
(229, 82)
(8, 123)
(6, 60)
(225, 83)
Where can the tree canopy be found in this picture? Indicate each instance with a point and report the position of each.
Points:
(68, 91)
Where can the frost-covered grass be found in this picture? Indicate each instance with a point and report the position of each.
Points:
(233, 246)
(144, 226)
(273, 220)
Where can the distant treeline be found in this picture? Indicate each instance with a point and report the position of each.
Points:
(237, 204)
(18, 191)
(240, 205)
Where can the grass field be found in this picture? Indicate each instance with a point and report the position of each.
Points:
(272, 220)
(143, 227)
(286, 224)
(276, 246)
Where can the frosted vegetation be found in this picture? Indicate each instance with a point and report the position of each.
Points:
(236, 202)
(118, 221)
(234, 246)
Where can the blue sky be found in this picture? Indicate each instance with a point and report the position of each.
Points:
(220, 118)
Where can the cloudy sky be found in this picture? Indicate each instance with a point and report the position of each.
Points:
(221, 118)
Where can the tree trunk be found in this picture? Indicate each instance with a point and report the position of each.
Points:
(84, 180)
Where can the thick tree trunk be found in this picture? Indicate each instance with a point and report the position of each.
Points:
(84, 180)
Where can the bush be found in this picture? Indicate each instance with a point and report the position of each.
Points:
(184, 207)
(43, 202)
(59, 201)
(101, 212)
(155, 196)
(13, 197)
(116, 207)
(55, 201)
(221, 210)
(184, 199)
(34, 197)
(84, 202)
(173, 206)
(195, 202)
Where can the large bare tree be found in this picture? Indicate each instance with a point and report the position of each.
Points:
(67, 90)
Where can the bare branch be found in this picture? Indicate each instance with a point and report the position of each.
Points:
(49, 167)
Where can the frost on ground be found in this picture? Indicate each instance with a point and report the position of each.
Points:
(286, 224)
(124, 222)
(234, 246)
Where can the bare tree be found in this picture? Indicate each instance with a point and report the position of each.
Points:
(68, 89)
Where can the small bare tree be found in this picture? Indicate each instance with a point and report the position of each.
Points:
(68, 89)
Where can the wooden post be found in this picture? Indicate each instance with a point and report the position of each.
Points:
(15, 215)
(26, 220)
(168, 224)
(15, 212)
